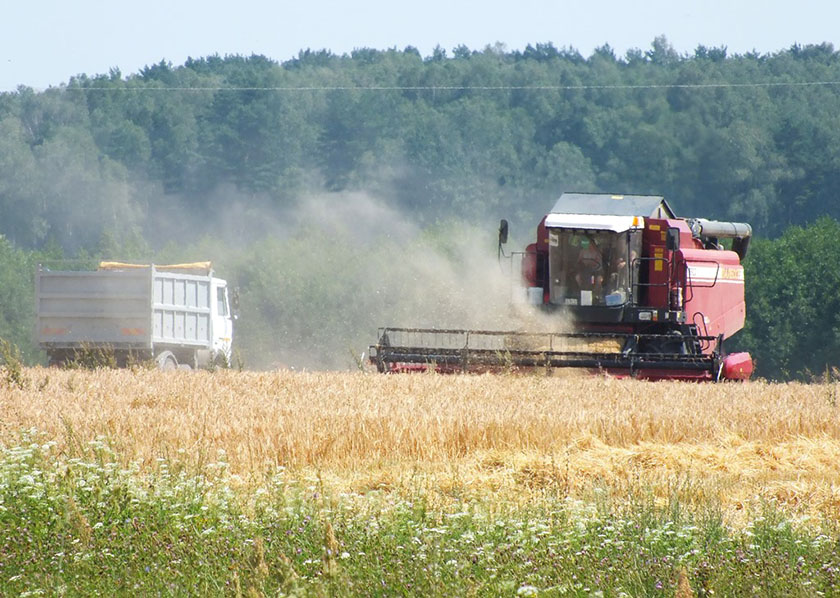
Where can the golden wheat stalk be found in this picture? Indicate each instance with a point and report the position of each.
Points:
(496, 433)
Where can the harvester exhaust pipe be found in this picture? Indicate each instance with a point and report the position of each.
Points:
(739, 232)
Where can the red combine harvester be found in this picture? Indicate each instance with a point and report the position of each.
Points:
(637, 291)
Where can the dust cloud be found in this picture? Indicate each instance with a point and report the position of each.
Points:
(342, 265)
(318, 276)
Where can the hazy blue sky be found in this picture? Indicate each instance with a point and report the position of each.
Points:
(45, 42)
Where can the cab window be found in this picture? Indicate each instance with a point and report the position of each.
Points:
(221, 301)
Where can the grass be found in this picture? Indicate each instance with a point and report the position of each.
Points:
(252, 484)
(85, 526)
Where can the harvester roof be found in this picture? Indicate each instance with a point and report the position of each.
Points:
(607, 204)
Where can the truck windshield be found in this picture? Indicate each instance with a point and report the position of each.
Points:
(221, 301)
(592, 267)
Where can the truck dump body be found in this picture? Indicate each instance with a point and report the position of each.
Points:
(131, 309)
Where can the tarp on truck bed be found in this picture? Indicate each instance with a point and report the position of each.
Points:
(190, 267)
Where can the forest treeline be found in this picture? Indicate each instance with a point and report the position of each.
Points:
(224, 157)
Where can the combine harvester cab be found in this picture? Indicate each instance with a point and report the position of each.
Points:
(648, 295)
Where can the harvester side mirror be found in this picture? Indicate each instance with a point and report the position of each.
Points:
(503, 232)
(672, 239)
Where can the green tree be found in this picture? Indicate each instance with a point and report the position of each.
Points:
(17, 298)
(21, 216)
(793, 308)
(258, 138)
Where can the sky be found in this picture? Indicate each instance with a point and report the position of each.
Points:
(45, 42)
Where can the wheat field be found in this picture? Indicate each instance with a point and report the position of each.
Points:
(510, 437)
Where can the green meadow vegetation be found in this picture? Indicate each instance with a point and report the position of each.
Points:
(85, 525)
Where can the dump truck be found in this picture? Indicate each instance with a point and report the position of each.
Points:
(178, 315)
(635, 291)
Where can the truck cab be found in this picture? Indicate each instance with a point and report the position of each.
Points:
(222, 317)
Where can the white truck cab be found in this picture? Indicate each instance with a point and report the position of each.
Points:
(221, 321)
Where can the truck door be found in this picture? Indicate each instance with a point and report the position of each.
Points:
(222, 320)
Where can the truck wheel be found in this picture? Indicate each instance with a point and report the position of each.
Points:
(166, 362)
(56, 360)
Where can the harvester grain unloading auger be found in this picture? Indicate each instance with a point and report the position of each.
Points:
(651, 296)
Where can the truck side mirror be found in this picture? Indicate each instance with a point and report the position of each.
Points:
(503, 232)
(234, 301)
(672, 239)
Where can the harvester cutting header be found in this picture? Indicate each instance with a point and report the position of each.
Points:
(648, 295)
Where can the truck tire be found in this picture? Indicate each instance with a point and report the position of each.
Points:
(166, 361)
(56, 359)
